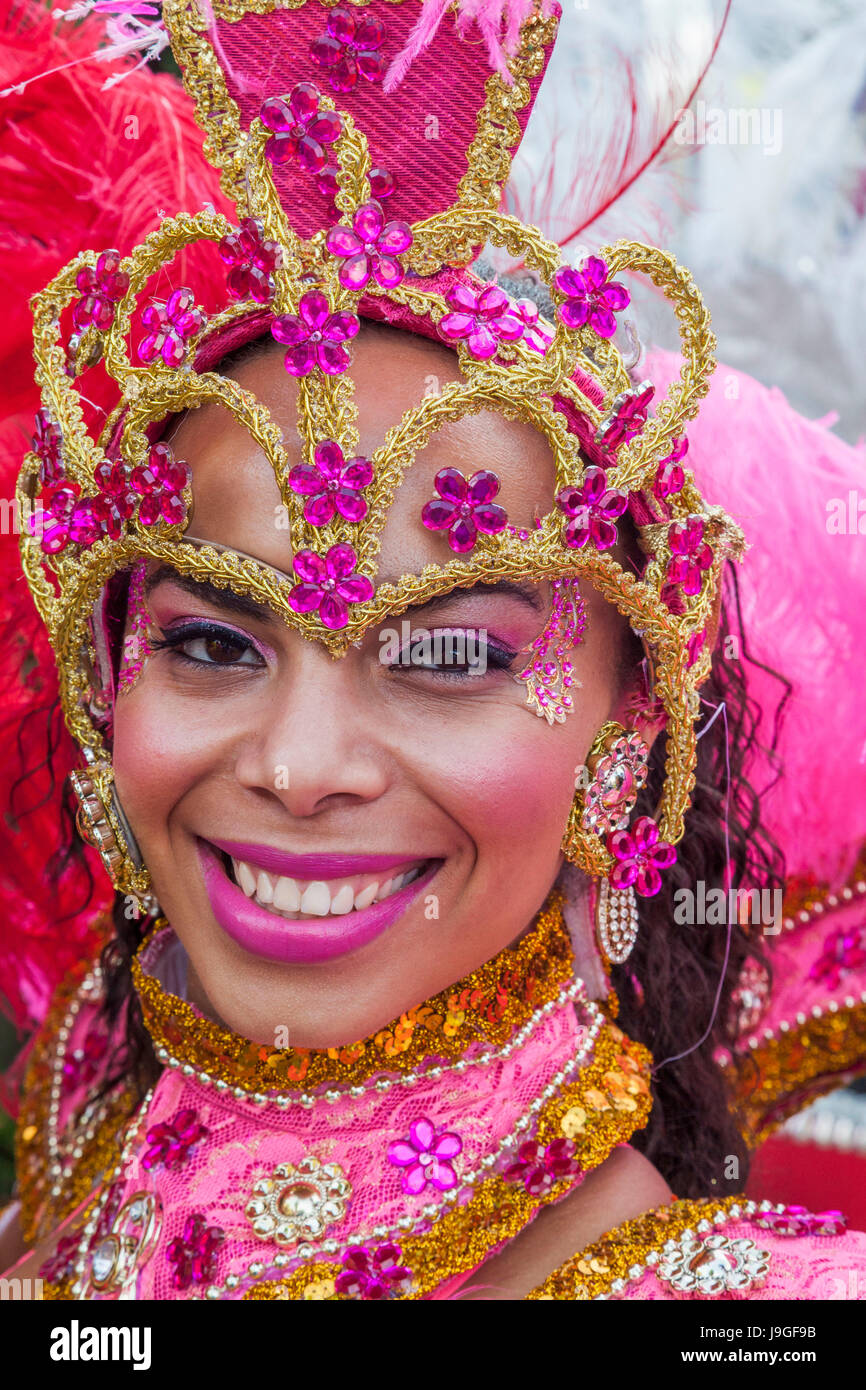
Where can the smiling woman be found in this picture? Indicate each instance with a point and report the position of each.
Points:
(389, 621)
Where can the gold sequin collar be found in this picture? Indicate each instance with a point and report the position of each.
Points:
(487, 1006)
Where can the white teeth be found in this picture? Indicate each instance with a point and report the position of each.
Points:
(343, 901)
(366, 896)
(287, 896)
(245, 877)
(384, 890)
(283, 895)
(316, 900)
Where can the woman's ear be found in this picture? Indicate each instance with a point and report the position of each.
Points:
(637, 706)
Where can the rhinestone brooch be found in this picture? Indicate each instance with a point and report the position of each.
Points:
(299, 1202)
(711, 1267)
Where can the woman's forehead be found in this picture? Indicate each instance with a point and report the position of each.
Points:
(236, 497)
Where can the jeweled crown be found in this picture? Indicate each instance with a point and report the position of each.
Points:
(347, 208)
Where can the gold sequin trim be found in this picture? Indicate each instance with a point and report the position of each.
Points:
(489, 1004)
(784, 1073)
(43, 1209)
(608, 1102)
(592, 1272)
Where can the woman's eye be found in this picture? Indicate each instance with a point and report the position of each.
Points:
(210, 647)
(453, 653)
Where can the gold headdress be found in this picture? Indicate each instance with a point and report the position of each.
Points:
(281, 90)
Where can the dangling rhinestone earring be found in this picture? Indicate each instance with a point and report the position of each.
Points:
(102, 825)
(616, 922)
(615, 771)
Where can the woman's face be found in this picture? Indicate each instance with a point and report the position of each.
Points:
(349, 774)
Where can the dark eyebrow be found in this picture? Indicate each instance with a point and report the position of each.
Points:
(203, 589)
(526, 593)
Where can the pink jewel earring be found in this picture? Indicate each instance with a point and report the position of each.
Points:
(549, 675)
(136, 647)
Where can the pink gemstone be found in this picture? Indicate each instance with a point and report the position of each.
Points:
(382, 183)
(83, 525)
(341, 24)
(350, 505)
(300, 360)
(149, 510)
(173, 351)
(86, 281)
(144, 480)
(326, 127)
(327, 181)
(319, 510)
(483, 486)
(276, 115)
(371, 66)
(333, 611)
(438, 513)
(369, 220)
(149, 348)
(462, 535)
(173, 508)
(355, 272)
(343, 241)
(304, 101)
(450, 483)
(180, 302)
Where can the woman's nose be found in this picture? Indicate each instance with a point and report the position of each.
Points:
(319, 743)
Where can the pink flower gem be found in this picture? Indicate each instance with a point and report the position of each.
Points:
(82, 1066)
(535, 335)
(464, 507)
(628, 417)
(349, 47)
(300, 128)
(592, 510)
(690, 555)
(425, 1157)
(844, 951)
(483, 318)
(170, 326)
(591, 297)
(369, 247)
(101, 289)
(332, 484)
(315, 336)
(540, 1167)
(253, 260)
(159, 484)
(669, 476)
(58, 501)
(639, 855)
(194, 1254)
(171, 1141)
(47, 443)
(373, 1272)
(799, 1221)
(329, 585)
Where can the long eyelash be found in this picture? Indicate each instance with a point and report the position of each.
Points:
(499, 657)
(174, 640)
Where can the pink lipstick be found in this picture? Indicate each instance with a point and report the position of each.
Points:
(307, 940)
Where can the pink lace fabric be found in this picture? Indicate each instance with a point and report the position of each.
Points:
(245, 1142)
